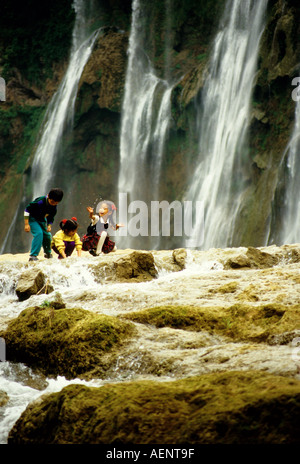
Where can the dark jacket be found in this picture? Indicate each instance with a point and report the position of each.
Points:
(41, 210)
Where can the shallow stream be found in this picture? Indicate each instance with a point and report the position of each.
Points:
(155, 353)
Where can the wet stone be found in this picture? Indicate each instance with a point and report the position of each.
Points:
(32, 282)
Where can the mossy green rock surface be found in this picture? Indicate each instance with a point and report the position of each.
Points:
(222, 408)
(67, 342)
(239, 322)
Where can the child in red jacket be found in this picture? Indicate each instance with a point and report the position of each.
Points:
(97, 240)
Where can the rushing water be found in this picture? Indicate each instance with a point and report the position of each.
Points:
(172, 353)
(156, 354)
(24, 387)
(291, 215)
(226, 105)
(145, 121)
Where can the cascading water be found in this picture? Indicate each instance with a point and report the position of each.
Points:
(290, 232)
(226, 104)
(61, 108)
(154, 353)
(145, 121)
(60, 112)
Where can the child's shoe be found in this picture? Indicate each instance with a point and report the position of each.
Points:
(33, 258)
(92, 252)
(48, 255)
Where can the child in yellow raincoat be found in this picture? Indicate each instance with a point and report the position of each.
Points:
(66, 240)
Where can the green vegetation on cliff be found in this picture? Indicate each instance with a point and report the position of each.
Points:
(33, 36)
(18, 126)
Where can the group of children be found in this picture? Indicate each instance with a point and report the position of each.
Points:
(39, 216)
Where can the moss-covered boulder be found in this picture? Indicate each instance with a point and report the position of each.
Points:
(240, 322)
(224, 408)
(68, 342)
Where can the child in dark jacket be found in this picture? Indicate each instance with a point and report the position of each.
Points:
(39, 216)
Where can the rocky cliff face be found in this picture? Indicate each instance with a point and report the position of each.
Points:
(90, 167)
(90, 164)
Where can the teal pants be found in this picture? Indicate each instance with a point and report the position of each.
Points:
(41, 237)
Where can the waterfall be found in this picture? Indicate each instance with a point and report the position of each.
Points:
(60, 112)
(145, 121)
(291, 217)
(226, 104)
(9, 234)
(61, 108)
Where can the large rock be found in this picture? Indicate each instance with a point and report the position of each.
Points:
(124, 266)
(137, 265)
(66, 342)
(179, 256)
(223, 408)
(263, 257)
(31, 282)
